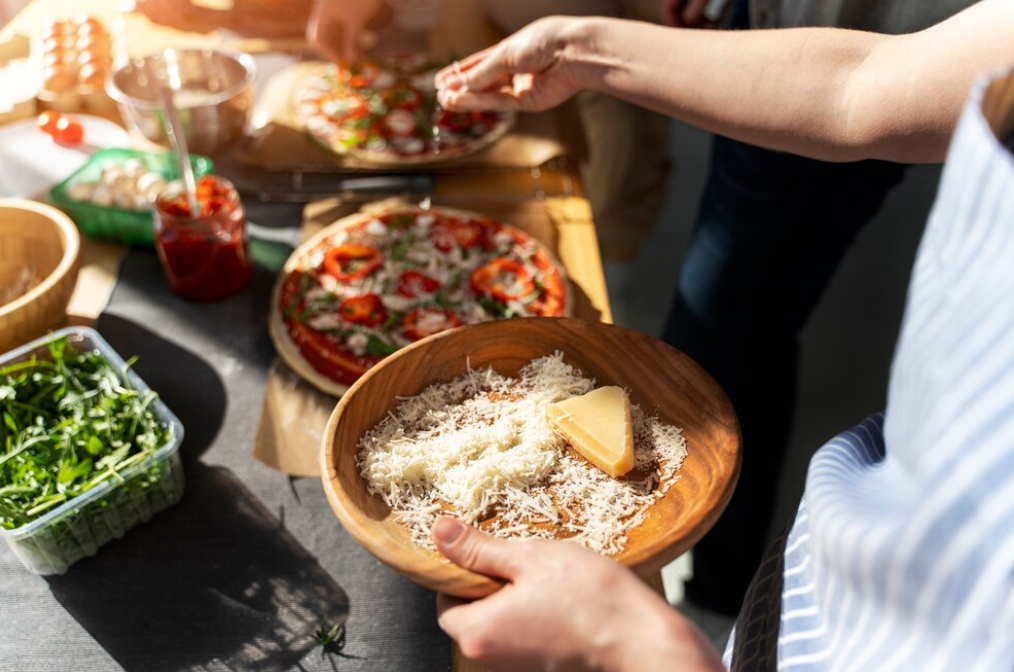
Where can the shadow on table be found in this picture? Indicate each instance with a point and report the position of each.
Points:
(214, 583)
(187, 384)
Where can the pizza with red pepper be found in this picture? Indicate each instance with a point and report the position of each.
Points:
(386, 112)
(381, 279)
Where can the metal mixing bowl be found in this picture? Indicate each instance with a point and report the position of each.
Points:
(214, 95)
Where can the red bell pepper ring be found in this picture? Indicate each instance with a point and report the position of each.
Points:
(426, 321)
(412, 284)
(502, 279)
(367, 310)
(448, 233)
(348, 263)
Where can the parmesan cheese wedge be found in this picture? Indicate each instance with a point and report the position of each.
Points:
(598, 424)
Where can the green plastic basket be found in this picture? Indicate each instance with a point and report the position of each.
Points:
(130, 227)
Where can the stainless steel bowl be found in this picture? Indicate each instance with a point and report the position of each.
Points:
(214, 96)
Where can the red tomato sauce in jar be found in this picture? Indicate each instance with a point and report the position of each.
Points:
(205, 257)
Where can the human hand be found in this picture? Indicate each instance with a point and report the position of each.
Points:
(564, 608)
(179, 14)
(685, 14)
(335, 28)
(528, 71)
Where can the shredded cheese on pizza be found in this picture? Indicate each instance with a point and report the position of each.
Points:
(480, 448)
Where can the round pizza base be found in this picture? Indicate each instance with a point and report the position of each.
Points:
(387, 160)
(284, 344)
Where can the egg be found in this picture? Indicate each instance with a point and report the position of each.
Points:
(52, 45)
(124, 200)
(92, 75)
(103, 196)
(89, 56)
(151, 185)
(134, 167)
(81, 191)
(90, 24)
(98, 44)
(57, 80)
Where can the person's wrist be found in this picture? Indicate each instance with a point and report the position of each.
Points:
(584, 50)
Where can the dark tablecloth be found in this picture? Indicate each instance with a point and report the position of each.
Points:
(240, 573)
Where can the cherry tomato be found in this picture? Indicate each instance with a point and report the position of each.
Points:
(367, 310)
(68, 132)
(426, 321)
(503, 279)
(448, 233)
(349, 263)
(47, 121)
(411, 284)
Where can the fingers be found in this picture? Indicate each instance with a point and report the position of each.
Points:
(350, 41)
(470, 101)
(471, 549)
(451, 77)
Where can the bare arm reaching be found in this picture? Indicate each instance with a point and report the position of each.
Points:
(830, 94)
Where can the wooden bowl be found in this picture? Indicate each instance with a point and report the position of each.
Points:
(39, 250)
(661, 379)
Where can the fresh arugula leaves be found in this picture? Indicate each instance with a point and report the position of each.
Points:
(69, 423)
(379, 347)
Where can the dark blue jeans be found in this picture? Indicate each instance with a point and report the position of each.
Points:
(771, 230)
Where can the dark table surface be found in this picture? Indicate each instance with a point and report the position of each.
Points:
(240, 573)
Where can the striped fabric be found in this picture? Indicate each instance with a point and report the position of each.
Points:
(902, 552)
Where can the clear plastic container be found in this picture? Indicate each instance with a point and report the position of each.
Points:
(78, 528)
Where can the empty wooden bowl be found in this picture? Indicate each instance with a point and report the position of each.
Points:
(39, 249)
(661, 379)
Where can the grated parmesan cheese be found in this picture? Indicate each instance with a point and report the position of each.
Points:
(480, 448)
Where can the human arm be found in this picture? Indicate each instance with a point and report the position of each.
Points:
(831, 94)
(336, 27)
(563, 608)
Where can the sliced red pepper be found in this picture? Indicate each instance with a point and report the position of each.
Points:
(349, 263)
(450, 232)
(503, 279)
(459, 121)
(426, 321)
(367, 310)
(412, 284)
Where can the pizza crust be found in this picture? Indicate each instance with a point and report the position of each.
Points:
(279, 333)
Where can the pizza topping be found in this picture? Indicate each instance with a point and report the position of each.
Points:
(389, 109)
(453, 233)
(348, 262)
(401, 122)
(367, 310)
(391, 278)
(423, 322)
(413, 284)
(503, 280)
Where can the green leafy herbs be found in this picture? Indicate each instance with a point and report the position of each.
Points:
(70, 422)
(379, 347)
(401, 247)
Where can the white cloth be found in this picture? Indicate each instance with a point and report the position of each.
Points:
(902, 552)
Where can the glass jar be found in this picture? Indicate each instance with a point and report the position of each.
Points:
(205, 257)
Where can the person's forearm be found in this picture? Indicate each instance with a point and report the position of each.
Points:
(827, 93)
(783, 89)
